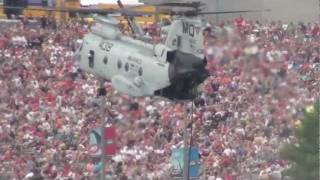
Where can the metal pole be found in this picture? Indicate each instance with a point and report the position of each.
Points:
(103, 127)
(190, 139)
(103, 143)
(185, 152)
(187, 146)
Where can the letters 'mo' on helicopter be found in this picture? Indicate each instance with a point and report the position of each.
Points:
(172, 70)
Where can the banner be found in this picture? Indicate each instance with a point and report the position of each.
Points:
(177, 162)
(94, 141)
(194, 163)
(109, 138)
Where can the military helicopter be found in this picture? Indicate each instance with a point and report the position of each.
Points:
(173, 69)
(139, 68)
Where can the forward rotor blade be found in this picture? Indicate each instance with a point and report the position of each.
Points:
(86, 10)
(64, 9)
(133, 12)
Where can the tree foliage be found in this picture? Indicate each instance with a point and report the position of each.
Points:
(305, 154)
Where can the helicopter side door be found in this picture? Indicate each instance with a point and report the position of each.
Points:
(91, 58)
(94, 56)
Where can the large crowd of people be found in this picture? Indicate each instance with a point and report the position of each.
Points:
(262, 77)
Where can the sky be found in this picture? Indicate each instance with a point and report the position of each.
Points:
(87, 2)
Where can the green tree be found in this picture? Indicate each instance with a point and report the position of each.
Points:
(305, 154)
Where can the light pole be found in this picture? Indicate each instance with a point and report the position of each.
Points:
(186, 151)
(103, 143)
(187, 145)
(102, 95)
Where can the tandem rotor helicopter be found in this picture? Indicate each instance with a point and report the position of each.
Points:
(173, 69)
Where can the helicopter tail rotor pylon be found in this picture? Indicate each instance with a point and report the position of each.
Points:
(185, 34)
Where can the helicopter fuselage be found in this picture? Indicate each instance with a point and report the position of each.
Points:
(139, 68)
(130, 66)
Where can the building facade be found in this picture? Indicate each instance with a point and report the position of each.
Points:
(284, 10)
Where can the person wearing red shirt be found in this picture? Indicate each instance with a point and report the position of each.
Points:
(316, 30)
(240, 22)
(3, 42)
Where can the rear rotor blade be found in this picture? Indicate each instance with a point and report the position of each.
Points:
(191, 5)
(230, 12)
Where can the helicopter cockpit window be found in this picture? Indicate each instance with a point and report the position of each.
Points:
(126, 67)
(119, 64)
(91, 58)
(140, 71)
(105, 60)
